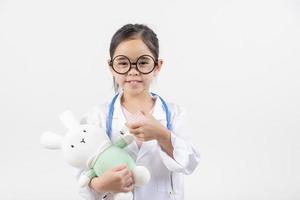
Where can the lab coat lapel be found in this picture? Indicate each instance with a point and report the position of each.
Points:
(119, 123)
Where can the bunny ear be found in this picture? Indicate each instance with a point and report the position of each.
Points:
(93, 117)
(51, 140)
(67, 118)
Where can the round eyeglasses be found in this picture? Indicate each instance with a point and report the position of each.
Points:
(121, 64)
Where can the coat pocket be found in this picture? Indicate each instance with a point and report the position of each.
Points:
(177, 183)
(170, 188)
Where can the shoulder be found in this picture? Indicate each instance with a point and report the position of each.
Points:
(175, 109)
(179, 116)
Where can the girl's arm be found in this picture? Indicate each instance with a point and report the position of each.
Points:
(177, 151)
(165, 142)
(182, 157)
(118, 179)
(87, 192)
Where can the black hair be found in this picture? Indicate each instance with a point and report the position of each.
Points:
(134, 31)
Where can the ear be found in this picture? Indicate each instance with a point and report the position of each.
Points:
(158, 68)
(109, 66)
(108, 62)
(51, 140)
(67, 118)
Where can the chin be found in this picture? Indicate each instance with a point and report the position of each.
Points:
(135, 91)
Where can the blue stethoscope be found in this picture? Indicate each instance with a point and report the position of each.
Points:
(111, 112)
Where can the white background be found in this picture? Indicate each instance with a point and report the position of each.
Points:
(234, 65)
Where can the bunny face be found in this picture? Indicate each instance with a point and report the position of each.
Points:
(81, 144)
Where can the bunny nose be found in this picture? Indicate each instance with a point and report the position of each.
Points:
(82, 141)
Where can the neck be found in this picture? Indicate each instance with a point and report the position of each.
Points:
(137, 102)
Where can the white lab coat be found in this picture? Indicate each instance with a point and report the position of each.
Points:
(167, 174)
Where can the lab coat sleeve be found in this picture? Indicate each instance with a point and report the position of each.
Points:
(87, 192)
(186, 156)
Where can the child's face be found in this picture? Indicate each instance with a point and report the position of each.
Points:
(134, 82)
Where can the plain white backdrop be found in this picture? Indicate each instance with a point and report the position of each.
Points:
(233, 64)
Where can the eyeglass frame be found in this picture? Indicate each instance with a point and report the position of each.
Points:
(133, 63)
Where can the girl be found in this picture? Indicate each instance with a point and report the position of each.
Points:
(160, 128)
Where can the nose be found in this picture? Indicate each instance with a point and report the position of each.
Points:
(133, 71)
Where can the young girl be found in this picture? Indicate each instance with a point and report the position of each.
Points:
(160, 127)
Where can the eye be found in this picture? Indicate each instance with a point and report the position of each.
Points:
(123, 63)
(72, 146)
(84, 130)
(143, 62)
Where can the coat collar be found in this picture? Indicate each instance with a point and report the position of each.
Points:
(158, 111)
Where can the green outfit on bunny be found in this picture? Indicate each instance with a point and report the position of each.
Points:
(110, 156)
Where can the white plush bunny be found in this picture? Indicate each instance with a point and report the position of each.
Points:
(88, 147)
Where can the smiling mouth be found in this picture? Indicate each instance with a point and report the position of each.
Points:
(133, 81)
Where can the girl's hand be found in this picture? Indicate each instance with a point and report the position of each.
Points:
(151, 129)
(119, 179)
